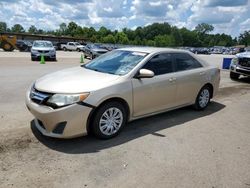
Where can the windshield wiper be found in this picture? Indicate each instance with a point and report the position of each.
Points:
(97, 70)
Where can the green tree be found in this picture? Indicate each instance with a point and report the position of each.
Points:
(121, 38)
(62, 28)
(32, 29)
(103, 31)
(177, 36)
(244, 38)
(204, 28)
(3, 27)
(155, 29)
(72, 26)
(130, 33)
(109, 39)
(164, 40)
(17, 28)
(190, 38)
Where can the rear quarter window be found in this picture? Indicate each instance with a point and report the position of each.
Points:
(184, 61)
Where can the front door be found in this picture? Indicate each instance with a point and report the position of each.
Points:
(158, 93)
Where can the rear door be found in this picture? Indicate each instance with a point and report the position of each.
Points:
(189, 77)
(158, 93)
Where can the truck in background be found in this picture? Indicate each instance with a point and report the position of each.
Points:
(73, 46)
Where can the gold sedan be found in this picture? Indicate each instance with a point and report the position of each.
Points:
(120, 86)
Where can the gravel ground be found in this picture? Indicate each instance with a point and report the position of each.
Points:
(181, 148)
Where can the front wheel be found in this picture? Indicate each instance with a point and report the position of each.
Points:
(203, 98)
(109, 120)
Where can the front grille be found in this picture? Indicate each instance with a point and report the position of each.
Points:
(243, 71)
(39, 97)
(43, 51)
(244, 62)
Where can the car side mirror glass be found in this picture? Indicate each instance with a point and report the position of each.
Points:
(145, 73)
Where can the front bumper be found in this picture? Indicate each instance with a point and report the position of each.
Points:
(240, 70)
(65, 122)
(48, 55)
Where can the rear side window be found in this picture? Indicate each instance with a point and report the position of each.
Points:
(160, 64)
(185, 61)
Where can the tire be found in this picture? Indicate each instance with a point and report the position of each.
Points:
(64, 49)
(234, 76)
(92, 56)
(203, 98)
(33, 59)
(7, 47)
(104, 129)
(54, 59)
(78, 50)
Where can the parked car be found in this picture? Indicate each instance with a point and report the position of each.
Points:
(94, 50)
(200, 50)
(120, 86)
(23, 45)
(42, 47)
(240, 65)
(73, 46)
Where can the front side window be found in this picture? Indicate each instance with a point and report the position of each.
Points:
(160, 64)
(185, 61)
(118, 62)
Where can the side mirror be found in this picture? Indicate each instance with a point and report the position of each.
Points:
(145, 73)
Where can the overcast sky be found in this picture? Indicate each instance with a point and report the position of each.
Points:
(228, 16)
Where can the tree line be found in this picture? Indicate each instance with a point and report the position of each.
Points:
(156, 34)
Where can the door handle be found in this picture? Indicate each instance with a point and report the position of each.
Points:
(202, 73)
(172, 79)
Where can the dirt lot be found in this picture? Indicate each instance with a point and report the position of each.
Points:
(182, 148)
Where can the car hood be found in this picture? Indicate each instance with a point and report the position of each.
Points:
(244, 54)
(99, 50)
(74, 80)
(43, 48)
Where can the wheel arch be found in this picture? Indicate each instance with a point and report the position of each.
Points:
(112, 99)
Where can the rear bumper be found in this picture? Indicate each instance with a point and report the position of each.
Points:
(65, 122)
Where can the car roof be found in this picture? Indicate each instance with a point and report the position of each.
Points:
(152, 49)
(42, 41)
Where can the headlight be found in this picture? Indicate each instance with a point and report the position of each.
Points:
(34, 51)
(234, 61)
(60, 100)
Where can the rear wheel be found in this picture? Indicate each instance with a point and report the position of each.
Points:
(203, 98)
(109, 120)
(234, 76)
(33, 59)
(64, 49)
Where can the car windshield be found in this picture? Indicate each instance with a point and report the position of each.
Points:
(42, 44)
(118, 62)
(96, 46)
